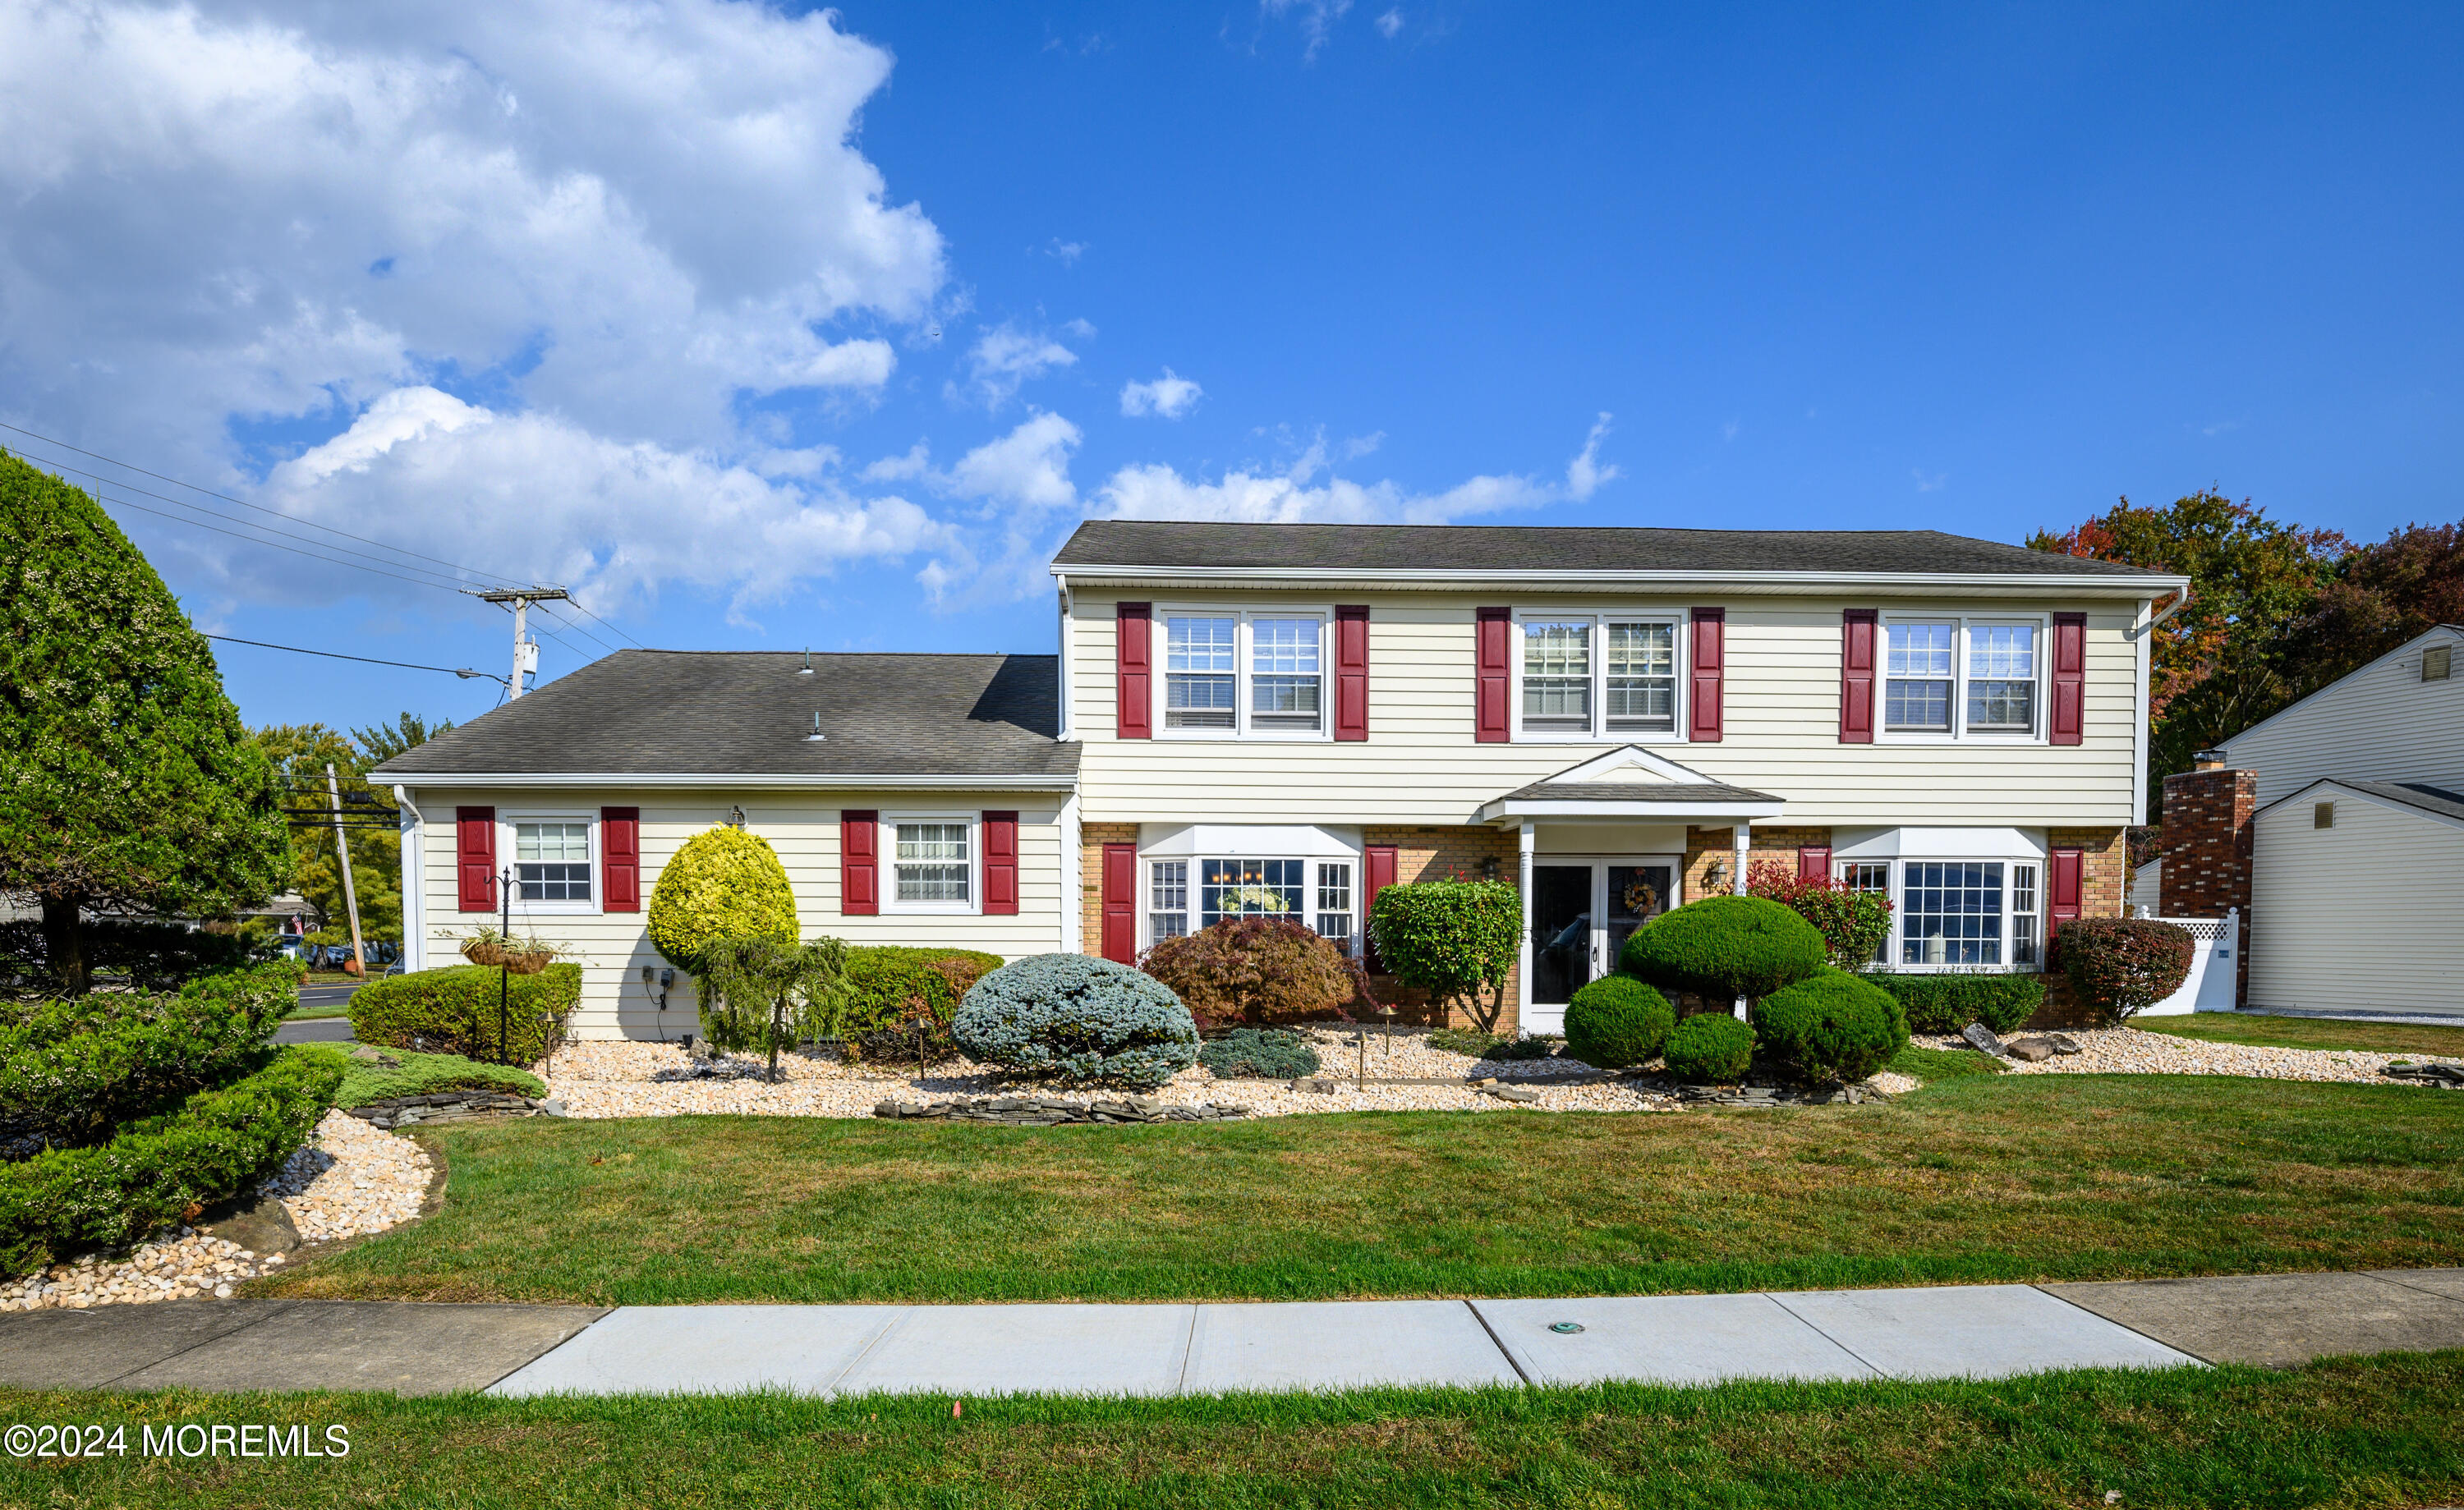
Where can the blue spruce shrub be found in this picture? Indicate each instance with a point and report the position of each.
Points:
(1075, 1018)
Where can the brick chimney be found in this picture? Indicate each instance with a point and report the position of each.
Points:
(2207, 848)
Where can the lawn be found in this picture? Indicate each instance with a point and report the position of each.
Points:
(1984, 1179)
(2355, 1433)
(2307, 1033)
(327, 1009)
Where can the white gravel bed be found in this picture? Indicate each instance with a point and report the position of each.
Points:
(2127, 1051)
(348, 1180)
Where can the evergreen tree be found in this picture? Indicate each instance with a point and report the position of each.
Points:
(126, 781)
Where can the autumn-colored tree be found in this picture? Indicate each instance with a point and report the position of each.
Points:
(2381, 595)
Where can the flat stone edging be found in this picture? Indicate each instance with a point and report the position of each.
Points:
(1052, 1111)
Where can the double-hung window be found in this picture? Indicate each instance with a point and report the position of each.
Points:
(1248, 674)
(1334, 900)
(934, 864)
(1962, 678)
(552, 860)
(1603, 675)
(1167, 899)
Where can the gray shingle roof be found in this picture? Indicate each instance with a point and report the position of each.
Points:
(1164, 544)
(1684, 792)
(2412, 794)
(716, 713)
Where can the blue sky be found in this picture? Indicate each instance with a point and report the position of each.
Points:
(769, 332)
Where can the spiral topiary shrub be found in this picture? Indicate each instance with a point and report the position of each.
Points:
(722, 883)
(1722, 948)
(1259, 1054)
(1074, 1018)
(1834, 1027)
(1616, 1022)
(1710, 1048)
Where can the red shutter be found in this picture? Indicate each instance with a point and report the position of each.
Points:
(2062, 890)
(2070, 678)
(1857, 636)
(859, 864)
(1710, 635)
(1495, 683)
(1001, 864)
(620, 856)
(1379, 863)
(474, 852)
(1813, 863)
(1121, 903)
(1351, 672)
(1133, 672)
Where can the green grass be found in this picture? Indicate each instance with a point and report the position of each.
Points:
(420, 1074)
(1919, 1062)
(2307, 1033)
(2003, 1179)
(331, 1008)
(2383, 1432)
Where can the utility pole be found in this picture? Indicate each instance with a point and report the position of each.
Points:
(525, 648)
(342, 847)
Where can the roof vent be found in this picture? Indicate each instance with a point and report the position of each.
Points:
(807, 669)
(816, 735)
(2436, 661)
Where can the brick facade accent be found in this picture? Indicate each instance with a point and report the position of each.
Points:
(2104, 880)
(2207, 852)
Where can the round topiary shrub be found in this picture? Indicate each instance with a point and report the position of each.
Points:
(1831, 1027)
(2117, 964)
(1259, 1054)
(1074, 1018)
(1616, 1022)
(1722, 948)
(1710, 1048)
(723, 882)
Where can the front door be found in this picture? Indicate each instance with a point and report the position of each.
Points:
(1582, 912)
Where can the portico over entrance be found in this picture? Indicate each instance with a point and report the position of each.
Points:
(1603, 852)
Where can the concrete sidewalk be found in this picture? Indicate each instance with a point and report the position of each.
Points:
(1943, 1332)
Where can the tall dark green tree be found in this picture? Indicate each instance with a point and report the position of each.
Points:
(126, 781)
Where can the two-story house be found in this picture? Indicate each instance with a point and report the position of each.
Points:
(1286, 718)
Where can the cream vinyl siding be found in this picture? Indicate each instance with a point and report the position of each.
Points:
(2358, 916)
(804, 829)
(1421, 764)
(2383, 723)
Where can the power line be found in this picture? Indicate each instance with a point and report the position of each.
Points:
(609, 627)
(370, 659)
(252, 539)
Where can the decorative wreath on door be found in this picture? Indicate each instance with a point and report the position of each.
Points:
(1642, 898)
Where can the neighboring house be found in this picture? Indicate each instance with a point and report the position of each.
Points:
(2337, 827)
(2147, 887)
(1286, 718)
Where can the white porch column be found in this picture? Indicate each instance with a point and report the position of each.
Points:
(1742, 835)
(1528, 841)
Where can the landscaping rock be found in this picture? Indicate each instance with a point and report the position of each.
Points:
(1041, 1112)
(2448, 1076)
(453, 1105)
(258, 1223)
(2030, 1051)
(1513, 1093)
(383, 1060)
(1982, 1039)
(2065, 1043)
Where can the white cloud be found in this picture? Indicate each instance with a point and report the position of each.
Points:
(620, 216)
(1006, 357)
(1390, 25)
(1584, 474)
(917, 461)
(1065, 252)
(1168, 397)
(1928, 482)
(1027, 469)
(1317, 21)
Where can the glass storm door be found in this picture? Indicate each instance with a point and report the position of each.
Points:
(1561, 930)
(1635, 895)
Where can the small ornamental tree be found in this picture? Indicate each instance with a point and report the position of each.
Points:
(1853, 924)
(126, 781)
(758, 993)
(1722, 948)
(1252, 969)
(1451, 940)
(2120, 965)
(723, 884)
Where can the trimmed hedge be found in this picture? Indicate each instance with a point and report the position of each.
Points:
(453, 1011)
(1616, 1022)
(422, 1074)
(1253, 969)
(161, 1169)
(722, 883)
(2117, 964)
(70, 1070)
(1832, 1027)
(1710, 1048)
(892, 983)
(1074, 1018)
(1259, 1054)
(1722, 948)
(1949, 1003)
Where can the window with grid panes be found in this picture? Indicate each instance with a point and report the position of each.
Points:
(932, 863)
(1875, 876)
(552, 861)
(1251, 887)
(2027, 925)
(1200, 671)
(1284, 675)
(1167, 899)
(1641, 692)
(1950, 913)
(1916, 692)
(1335, 900)
(1557, 675)
(2002, 677)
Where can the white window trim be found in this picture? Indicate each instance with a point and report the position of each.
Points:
(1600, 733)
(506, 858)
(1896, 896)
(1959, 732)
(1194, 912)
(886, 848)
(1243, 668)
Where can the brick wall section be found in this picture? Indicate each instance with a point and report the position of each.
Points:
(1091, 839)
(2105, 879)
(2208, 853)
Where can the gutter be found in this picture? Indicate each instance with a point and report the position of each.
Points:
(884, 781)
(1906, 584)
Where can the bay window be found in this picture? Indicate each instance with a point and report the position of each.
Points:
(1957, 914)
(1596, 676)
(1252, 673)
(1962, 678)
(1316, 894)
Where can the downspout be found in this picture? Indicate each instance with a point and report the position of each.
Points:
(414, 884)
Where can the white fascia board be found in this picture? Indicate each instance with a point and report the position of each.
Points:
(1511, 812)
(885, 781)
(2391, 804)
(1903, 585)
